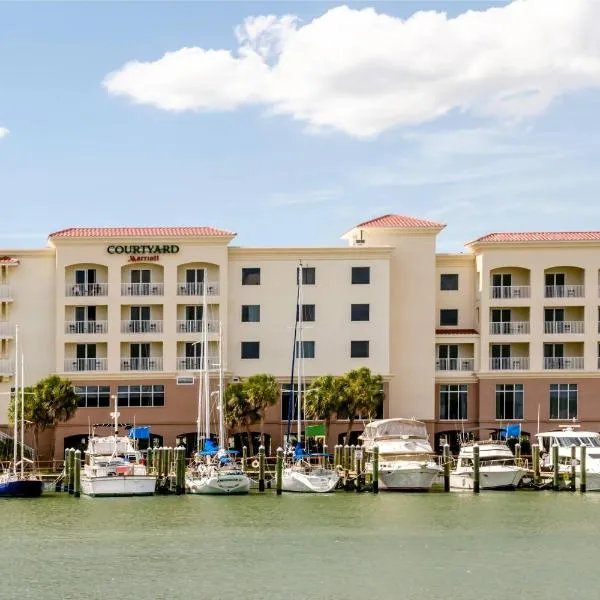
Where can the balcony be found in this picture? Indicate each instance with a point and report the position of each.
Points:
(87, 327)
(142, 364)
(198, 289)
(6, 366)
(7, 330)
(507, 292)
(511, 363)
(455, 364)
(5, 293)
(509, 328)
(184, 326)
(139, 326)
(563, 327)
(85, 364)
(565, 363)
(86, 289)
(564, 291)
(142, 289)
(195, 363)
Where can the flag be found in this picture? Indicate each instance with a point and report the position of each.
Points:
(140, 433)
(513, 431)
(314, 430)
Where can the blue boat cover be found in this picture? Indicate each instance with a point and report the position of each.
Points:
(140, 433)
(512, 431)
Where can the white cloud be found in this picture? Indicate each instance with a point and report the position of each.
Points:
(3, 132)
(363, 72)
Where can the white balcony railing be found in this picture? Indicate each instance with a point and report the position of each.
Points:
(142, 364)
(509, 291)
(89, 327)
(563, 327)
(6, 329)
(6, 366)
(511, 363)
(564, 363)
(509, 328)
(196, 363)
(142, 289)
(138, 326)
(86, 289)
(85, 364)
(5, 293)
(455, 364)
(196, 326)
(198, 289)
(565, 291)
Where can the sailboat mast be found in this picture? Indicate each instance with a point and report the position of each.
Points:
(16, 402)
(290, 412)
(221, 399)
(205, 356)
(23, 415)
(300, 352)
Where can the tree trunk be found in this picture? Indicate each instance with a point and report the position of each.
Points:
(349, 431)
(250, 446)
(327, 425)
(262, 429)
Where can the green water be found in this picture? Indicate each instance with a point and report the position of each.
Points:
(340, 546)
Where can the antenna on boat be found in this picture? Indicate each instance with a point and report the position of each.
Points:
(115, 415)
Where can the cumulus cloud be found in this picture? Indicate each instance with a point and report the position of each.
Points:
(3, 132)
(363, 72)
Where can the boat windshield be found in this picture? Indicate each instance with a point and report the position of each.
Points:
(590, 442)
(395, 429)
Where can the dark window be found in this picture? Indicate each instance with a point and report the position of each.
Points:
(359, 312)
(141, 395)
(361, 275)
(453, 402)
(563, 401)
(285, 402)
(308, 312)
(93, 396)
(359, 349)
(251, 276)
(449, 281)
(251, 313)
(449, 317)
(308, 276)
(307, 348)
(250, 349)
(509, 401)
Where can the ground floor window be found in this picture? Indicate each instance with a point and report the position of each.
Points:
(453, 402)
(141, 395)
(509, 401)
(563, 400)
(93, 396)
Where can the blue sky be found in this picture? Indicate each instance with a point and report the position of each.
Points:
(346, 117)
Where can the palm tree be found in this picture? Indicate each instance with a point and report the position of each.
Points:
(262, 391)
(239, 412)
(322, 400)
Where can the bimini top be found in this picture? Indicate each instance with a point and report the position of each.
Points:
(395, 428)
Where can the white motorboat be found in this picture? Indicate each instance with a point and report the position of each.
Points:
(407, 461)
(498, 468)
(565, 438)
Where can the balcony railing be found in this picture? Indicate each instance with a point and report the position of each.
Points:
(564, 362)
(509, 328)
(6, 366)
(5, 293)
(6, 329)
(142, 364)
(142, 289)
(85, 364)
(86, 289)
(511, 363)
(509, 291)
(565, 291)
(196, 326)
(211, 288)
(89, 327)
(138, 326)
(455, 364)
(563, 327)
(196, 363)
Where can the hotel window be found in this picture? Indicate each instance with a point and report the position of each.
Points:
(308, 312)
(250, 276)
(85, 320)
(449, 282)
(250, 313)
(139, 357)
(86, 357)
(509, 401)
(141, 395)
(555, 285)
(85, 283)
(194, 313)
(250, 349)
(449, 317)
(563, 401)
(501, 285)
(140, 280)
(307, 349)
(448, 357)
(453, 402)
(361, 275)
(286, 397)
(359, 312)
(93, 396)
(359, 349)
(308, 276)
(554, 356)
(194, 281)
(139, 319)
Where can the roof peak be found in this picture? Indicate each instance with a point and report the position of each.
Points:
(175, 231)
(395, 221)
(537, 236)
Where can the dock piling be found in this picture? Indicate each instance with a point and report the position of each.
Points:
(71, 471)
(261, 469)
(535, 449)
(336, 456)
(446, 459)
(376, 470)
(517, 450)
(476, 469)
(346, 457)
(65, 483)
(325, 456)
(77, 473)
(180, 470)
(244, 458)
(555, 474)
(582, 470)
(572, 485)
(279, 471)
(149, 460)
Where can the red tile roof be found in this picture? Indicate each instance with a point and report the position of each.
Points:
(540, 236)
(123, 232)
(8, 260)
(443, 331)
(398, 221)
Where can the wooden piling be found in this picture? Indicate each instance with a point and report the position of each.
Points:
(535, 449)
(180, 470)
(77, 473)
(65, 483)
(244, 458)
(517, 451)
(376, 470)
(572, 485)
(336, 456)
(476, 469)
(446, 459)
(149, 460)
(352, 464)
(555, 474)
(279, 471)
(71, 471)
(325, 456)
(582, 469)
(261, 469)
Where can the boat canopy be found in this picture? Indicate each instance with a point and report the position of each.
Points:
(394, 428)
(107, 446)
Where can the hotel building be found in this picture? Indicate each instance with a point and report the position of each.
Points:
(507, 331)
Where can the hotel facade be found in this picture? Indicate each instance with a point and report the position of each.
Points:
(508, 331)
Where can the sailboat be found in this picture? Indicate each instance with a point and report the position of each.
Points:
(16, 481)
(214, 470)
(299, 474)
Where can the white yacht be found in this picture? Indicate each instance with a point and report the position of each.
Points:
(302, 476)
(565, 438)
(406, 459)
(498, 468)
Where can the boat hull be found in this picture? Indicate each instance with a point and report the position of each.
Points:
(136, 485)
(297, 481)
(407, 478)
(218, 485)
(22, 488)
(506, 478)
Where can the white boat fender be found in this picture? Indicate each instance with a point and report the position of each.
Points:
(255, 464)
